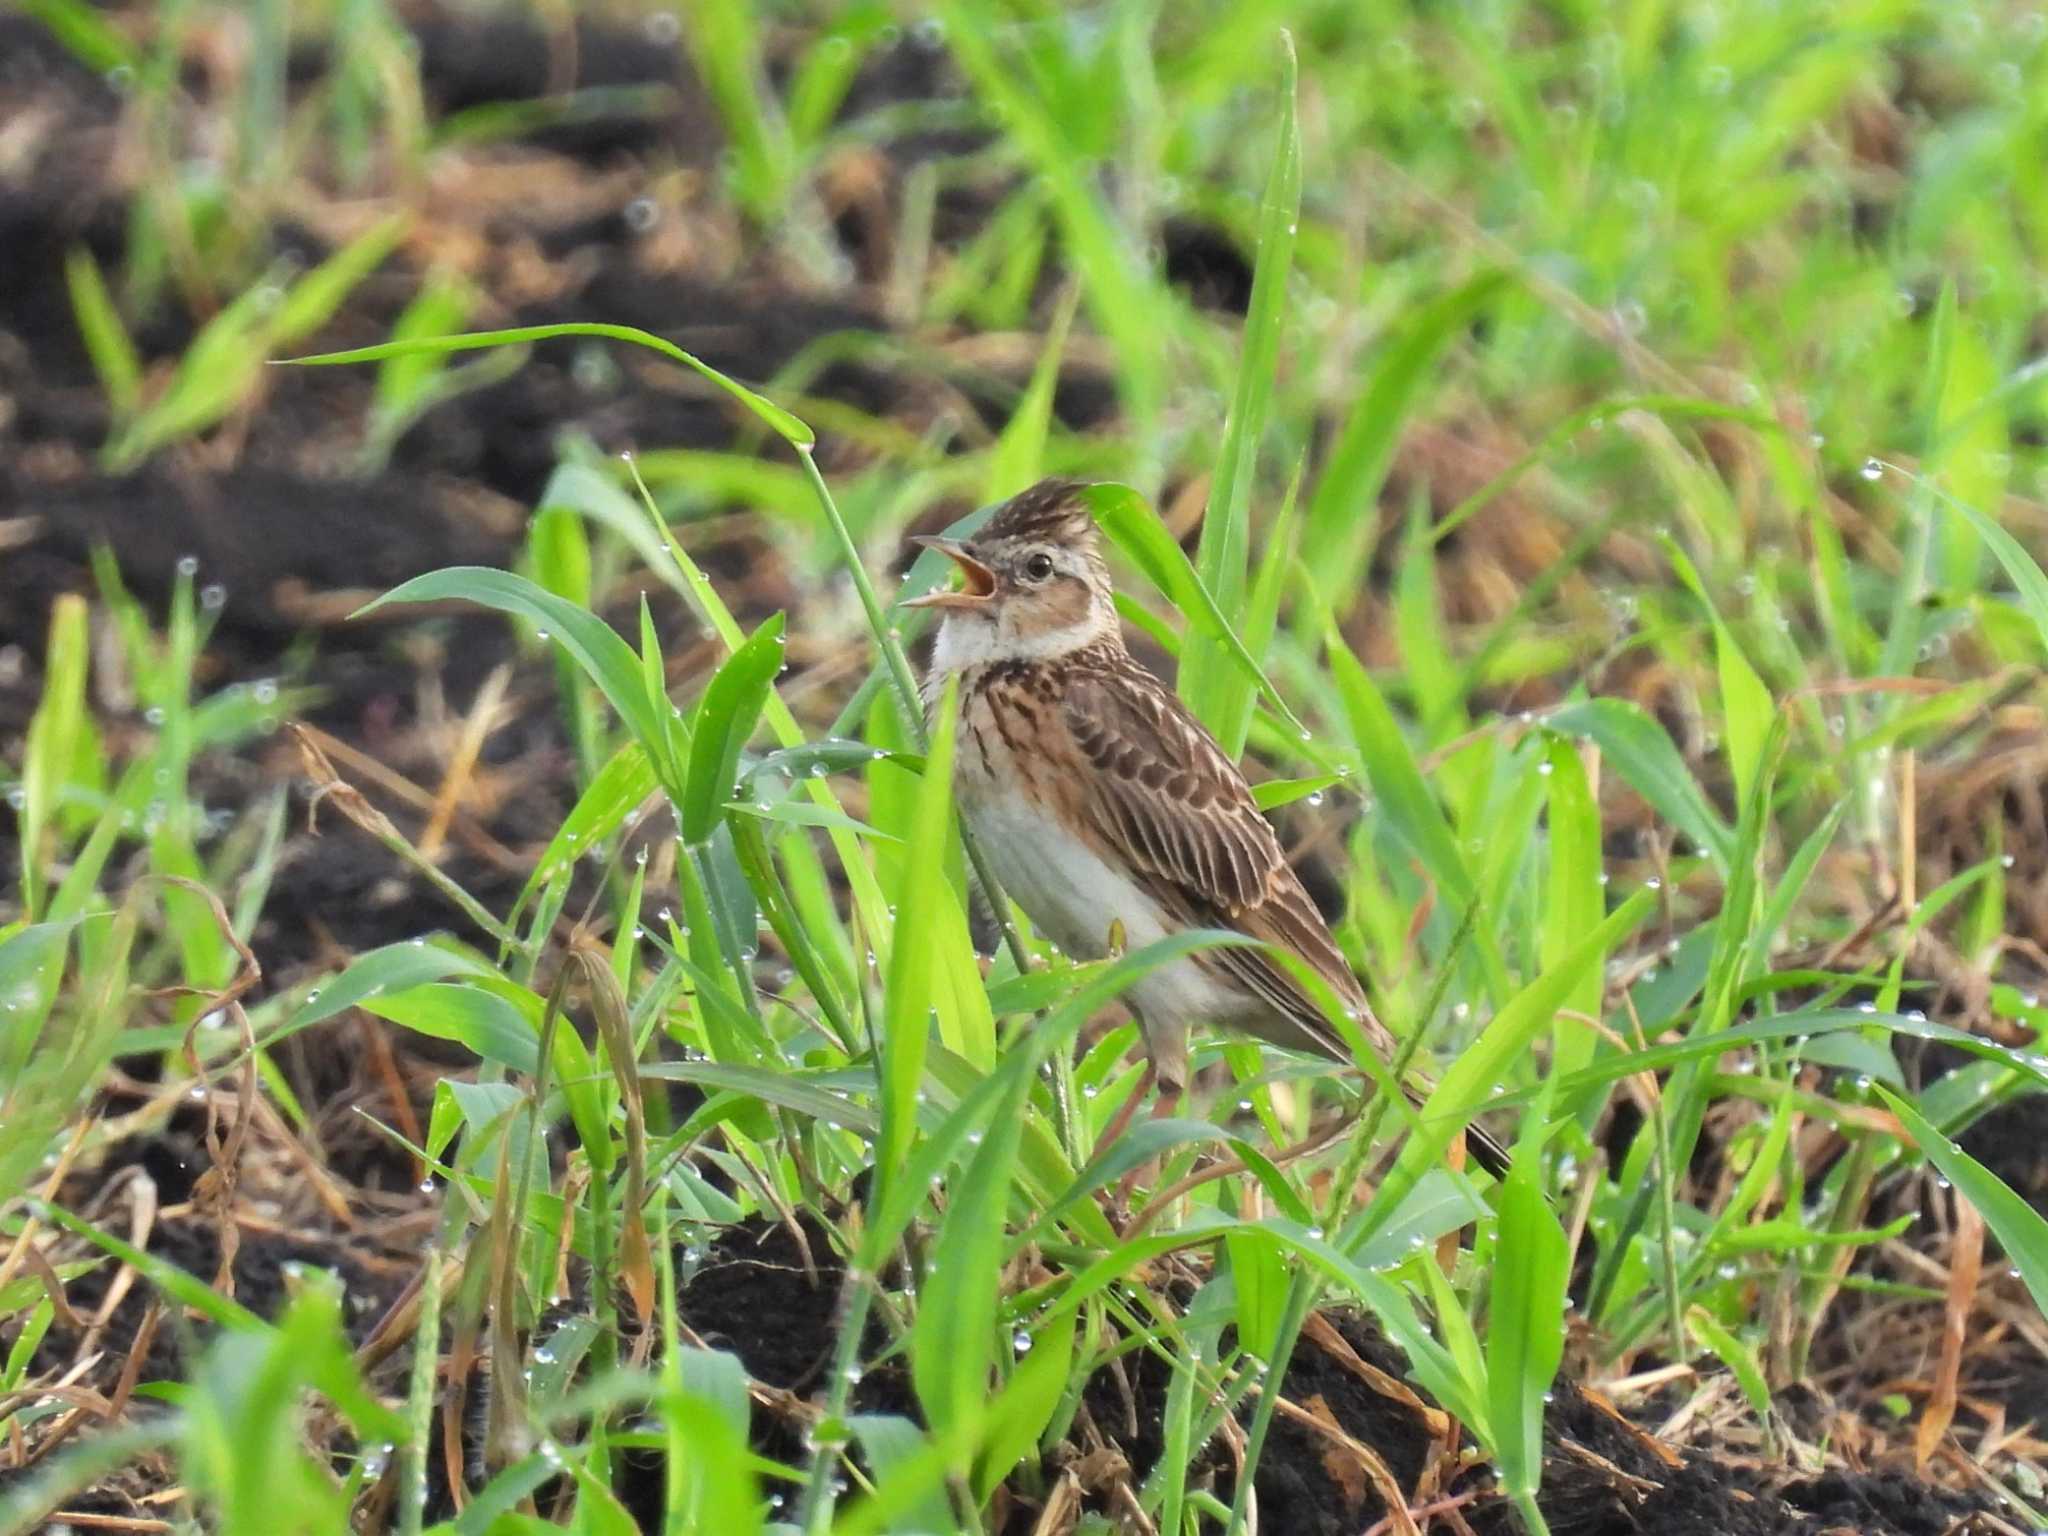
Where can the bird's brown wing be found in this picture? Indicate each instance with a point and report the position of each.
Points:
(1166, 797)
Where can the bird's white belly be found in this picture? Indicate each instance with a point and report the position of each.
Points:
(1073, 897)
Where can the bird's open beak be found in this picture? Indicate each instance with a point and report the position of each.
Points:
(980, 581)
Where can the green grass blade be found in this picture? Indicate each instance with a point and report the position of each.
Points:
(92, 39)
(725, 39)
(1210, 680)
(954, 1335)
(614, 792)
(1018, 457)
(1343, 513)
(1028, 1400)
(393, 968)
(1740, 1359)
(176, 1285)
(912, 965)
(61, 751)
(780, 1086)
(1573, 901)
(1643, 751)
(1410, 808)
(500, 1022)
(1526, 1326)
(904, 1463)
(29, 1504)
(1135, 529)
(1746, 704)
(730, 710)
(2027, 577)
(106, 338)
(312, 301)
(1383, 751)
(1128, 308)
(786, 426)
(1468, 1082)
(2020, 1229)
(608, 660)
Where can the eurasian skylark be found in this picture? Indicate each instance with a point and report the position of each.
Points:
(1104, 806)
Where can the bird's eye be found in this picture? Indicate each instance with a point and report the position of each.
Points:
(1039, 566)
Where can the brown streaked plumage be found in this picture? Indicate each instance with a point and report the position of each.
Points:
(1103, 804)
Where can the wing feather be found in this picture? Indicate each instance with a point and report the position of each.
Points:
(1168, 799)
(1174, 806)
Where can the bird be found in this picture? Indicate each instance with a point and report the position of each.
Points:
(1108, 812)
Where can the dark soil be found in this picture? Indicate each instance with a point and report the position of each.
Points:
(1603, 1476)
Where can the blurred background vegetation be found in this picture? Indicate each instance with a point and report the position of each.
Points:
(1618, 436)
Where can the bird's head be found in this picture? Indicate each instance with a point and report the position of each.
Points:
(1034, 583)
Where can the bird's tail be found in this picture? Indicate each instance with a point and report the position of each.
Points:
(1485, 1148)
(1487, 1152)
